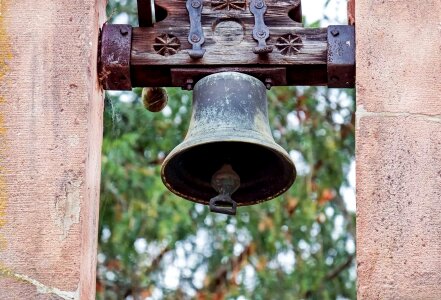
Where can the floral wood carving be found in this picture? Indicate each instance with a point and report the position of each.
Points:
(289, 44)
(229, 4)
(167, 44)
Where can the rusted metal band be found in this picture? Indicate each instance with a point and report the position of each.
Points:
(341, 56)
(114, 58)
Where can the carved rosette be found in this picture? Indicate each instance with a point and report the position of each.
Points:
(229, 5)
(167, 44)
(289, 44)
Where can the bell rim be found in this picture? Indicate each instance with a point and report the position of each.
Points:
(194, 142)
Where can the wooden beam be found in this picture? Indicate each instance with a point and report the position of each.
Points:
(300, 55)
(228, 43)
(312, 51)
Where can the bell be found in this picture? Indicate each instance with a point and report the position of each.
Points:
(229, 151)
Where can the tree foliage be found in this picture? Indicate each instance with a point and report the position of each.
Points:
(154, 244)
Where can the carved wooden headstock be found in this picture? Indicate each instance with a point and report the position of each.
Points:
(195, 38)
(227, 29)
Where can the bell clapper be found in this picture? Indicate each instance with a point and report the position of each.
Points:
(225, 182)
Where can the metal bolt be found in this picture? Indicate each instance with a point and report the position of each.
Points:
(259, 4)
(335, 79)
(268, 83)
(124, 31)
(189, 84)
(196, 4)
(261, 34)
(335, 32)
(195, 38)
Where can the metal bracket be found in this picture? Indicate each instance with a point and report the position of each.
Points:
(260, 32)
(114, 57)
(196, 37)
(341, 56)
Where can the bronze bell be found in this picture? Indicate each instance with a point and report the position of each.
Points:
(229, 151)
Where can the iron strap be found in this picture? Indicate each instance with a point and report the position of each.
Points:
(196, 37)
(260, 32)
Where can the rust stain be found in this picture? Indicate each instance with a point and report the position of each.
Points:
(5, 56)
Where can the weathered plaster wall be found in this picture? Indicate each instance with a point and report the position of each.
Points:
(50, 144)
(399, 149)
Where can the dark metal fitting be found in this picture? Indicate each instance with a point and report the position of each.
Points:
(196, 35)
(189, 84)
(261, 31)
(124, 31)
(259, 4)
(187, 77)
(341, 56)
(195, 38)
(223, 204)
(268, 83)
(225, 182)
(261, 34)
(114, 57)
(196, 4)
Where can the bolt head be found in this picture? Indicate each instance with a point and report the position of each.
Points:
(124, 31)
(196, 4)
(189, 84)
(268, 83)
(259, 4)
(335, 32)
(195, 38)
(261, 34)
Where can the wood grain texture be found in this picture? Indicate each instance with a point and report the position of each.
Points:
(50, 147)
(224, 53)
(399, 149)
(229, 44)
(228, 36)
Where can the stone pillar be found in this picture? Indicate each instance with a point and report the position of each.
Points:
(399, 149)
(50, 144)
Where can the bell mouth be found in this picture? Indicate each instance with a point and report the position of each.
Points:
(265, 169)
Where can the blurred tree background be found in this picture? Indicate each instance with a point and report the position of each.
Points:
(154, 245)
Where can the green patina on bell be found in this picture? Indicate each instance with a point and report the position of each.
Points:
(229, 151)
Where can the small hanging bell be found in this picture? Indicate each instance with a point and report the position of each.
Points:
(229, 151)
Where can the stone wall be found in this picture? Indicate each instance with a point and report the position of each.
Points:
(399, 149)
(50, 145)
